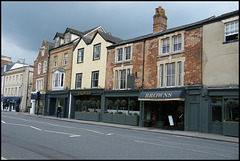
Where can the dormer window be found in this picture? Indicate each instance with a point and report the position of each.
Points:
(56, 41)
(67, 39)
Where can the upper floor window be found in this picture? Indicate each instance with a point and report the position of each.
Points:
(55, 61)
(67, 37)
(56, 41)
(43, 50)
(17, 78)
(177, 42)
(170, 74)
(80, 55)
(96, 51)
(231, 31)
(120, 77)
(39, 68)
(45, 67)
(58, 80)
(65, 59)
(165, 46)
(78, 81)
(127, 53)
(119, 54)
(95, 76)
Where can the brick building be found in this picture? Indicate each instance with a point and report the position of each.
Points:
(40, 75)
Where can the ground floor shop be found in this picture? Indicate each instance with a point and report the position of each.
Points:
(11, 103)
(37, 104)
(54, 99)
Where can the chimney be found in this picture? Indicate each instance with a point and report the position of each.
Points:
(159, 20)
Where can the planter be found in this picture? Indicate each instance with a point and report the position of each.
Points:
(158, 124)
(180, 126)
(87, 116)
(119, 119)
(132, 120)
(147, 124)
(231, 128)
(107, 118)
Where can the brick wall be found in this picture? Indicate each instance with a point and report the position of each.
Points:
(193, 53)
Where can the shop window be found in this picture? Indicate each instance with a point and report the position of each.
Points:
(217, 113)
(217, 100)
(231, 108)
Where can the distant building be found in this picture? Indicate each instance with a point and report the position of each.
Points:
(17, 87)
(5, 60)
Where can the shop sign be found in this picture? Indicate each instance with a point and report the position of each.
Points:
(161, 96)
(84, 93)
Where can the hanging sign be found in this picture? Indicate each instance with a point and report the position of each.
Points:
(170, 120)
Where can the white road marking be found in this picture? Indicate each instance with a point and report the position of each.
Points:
(3, 122)
(57, 132)
(36, 128)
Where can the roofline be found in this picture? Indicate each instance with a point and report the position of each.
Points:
(94, 30)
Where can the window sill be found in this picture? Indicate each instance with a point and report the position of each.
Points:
(171, 53)
(226, 42)
(121, 62)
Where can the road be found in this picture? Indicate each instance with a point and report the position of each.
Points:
(26, 137)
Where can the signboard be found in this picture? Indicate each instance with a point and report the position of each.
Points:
(84, 93)
(161, 96)
(170, 120)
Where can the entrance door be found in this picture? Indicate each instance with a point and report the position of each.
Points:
(216, 121)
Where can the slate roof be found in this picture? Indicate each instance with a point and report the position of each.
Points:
(171, 30)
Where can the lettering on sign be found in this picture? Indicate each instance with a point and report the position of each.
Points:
(84, 93)
(158, 95)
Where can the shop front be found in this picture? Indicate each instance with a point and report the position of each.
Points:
(54, 99)
(86, 104)
(163, 108)
(11, 103)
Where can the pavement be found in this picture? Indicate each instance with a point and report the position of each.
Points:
(193, 134)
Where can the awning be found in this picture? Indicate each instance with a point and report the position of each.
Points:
(162, 96)
(11, 99)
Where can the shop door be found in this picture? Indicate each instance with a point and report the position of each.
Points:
(193, 117)
(216, 120)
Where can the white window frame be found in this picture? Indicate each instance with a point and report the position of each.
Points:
(56, 41)
(78, 82)
(65, 59)
(58, 80)
(43, 50)
(93, 79)
(39, 68)
(96, 51)
(177, 43)
(67, 37)
(170, 75)
(118, 77)
(166, 46)
(44, 66)
(231, 28)
(123, 53)
(80, 55)
(127, 53)
(55, 61)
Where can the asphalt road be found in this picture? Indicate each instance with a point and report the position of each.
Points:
(26, 137)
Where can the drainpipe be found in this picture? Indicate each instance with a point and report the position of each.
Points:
(142, 102)
(143, 63)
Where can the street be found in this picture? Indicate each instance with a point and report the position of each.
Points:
(26, 137)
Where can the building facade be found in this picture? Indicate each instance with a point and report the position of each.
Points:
(40, 75)
(18, 87)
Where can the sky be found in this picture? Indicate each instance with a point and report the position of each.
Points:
(24, 24)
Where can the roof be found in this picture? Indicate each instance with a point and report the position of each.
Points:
(183, 27)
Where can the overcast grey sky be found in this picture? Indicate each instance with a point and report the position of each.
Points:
(24, 25)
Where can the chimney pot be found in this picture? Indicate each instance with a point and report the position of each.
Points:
(159, 20)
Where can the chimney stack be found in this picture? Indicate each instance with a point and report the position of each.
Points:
(159, 20)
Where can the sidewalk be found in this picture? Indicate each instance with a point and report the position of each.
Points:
(151, 129)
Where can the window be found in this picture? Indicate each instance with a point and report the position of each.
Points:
(80, 55)
(161, 75)
(177, 43)
(19, 92)
(231, 108)
(58, 80)
(67, 37)
(119, 55)
(15, 91)
(14, 78)
(6, 79)
(55, 61)
(122, 79)
(43, 50)
(96, 51)
(65, 59)
(10, 79)
(20, 77)
(170, 74)
(231, 31)
(17, 78)
(128, 53)
(45, 67)
(179, 72)
(78, 81)
(95, 79)
(39, 68)
(165, 46)
(116, 79)
(56, 41)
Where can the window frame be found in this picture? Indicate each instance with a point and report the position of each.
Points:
(231, 33)
(95, 74)
(77, 81)
(96, 51)
(65, 59)
(80, 55)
